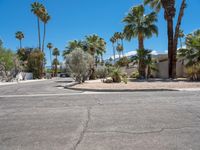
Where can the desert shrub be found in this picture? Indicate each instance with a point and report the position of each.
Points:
(116, 75)
(101, 72)
(193, 72)
(124, 78)
(80, 63)
(124, 61)
(135, 74)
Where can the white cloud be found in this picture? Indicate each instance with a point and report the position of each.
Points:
(131, 53)
(154, 52)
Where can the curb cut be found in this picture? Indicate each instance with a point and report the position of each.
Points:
(119, 90)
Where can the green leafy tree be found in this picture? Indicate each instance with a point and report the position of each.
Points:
(20, 36)
(80, 64)
(169, 15)
(140, 25)
(34, 61)
(56, 53)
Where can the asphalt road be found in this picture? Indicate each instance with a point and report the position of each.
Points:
(43, 116)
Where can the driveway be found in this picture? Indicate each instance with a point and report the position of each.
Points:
(42, 116)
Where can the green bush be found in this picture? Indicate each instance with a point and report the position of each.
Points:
(125, 78)
(135, 74)
(101, 72)
(116, 75)
(80, 63)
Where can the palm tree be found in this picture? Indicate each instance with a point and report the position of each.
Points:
(181, 35)
(121, 37)
(113, 40)
(38, 9)
(71, 46)
(169, 14)
(45, 18)
(141, 26)
(56, 53)
(50, 46)
(19, 35)
(102, 48)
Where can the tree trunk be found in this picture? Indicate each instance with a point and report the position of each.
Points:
(44, 36)
(20, 42)
(175, 42)
(39, 41)
(141, 41)
(56, 67)
(141, 61)
(51, 58)
(170, 45)
(114, 52)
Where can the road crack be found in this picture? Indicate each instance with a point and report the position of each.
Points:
(85, 127)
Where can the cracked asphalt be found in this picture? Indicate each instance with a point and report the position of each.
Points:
(44, 116)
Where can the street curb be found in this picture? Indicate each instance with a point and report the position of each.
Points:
(119, 90)
(70, 85)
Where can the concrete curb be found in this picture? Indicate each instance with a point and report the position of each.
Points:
(70, 85)
(120, 90)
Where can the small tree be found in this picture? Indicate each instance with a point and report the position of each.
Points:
(80, 64)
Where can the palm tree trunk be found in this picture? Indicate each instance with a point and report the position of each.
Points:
(113, 51)
(141, 41)
(20, 43)
(170, 45)
(181, 45)
(44, 36)
(141, 61)
(175, 42)
(50, 58)
(56, 69)
(39, 41)
(122, 47)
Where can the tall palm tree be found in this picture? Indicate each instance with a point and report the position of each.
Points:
(71, 46)
(50, 46)
(56, 53)
(19, 35)
(102, 48)
(169, 14)
(121, 37)
(92, 44)
(113, 40)
(140, 25)
(38, 9)
(45, 19)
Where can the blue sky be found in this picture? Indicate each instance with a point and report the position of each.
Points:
(73, 19)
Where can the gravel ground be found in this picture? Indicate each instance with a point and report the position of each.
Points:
(97, 84)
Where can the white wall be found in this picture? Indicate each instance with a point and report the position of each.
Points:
(28, 76)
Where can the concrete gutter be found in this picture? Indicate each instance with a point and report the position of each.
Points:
(119, 90)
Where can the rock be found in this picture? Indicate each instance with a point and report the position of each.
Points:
(108, 80)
